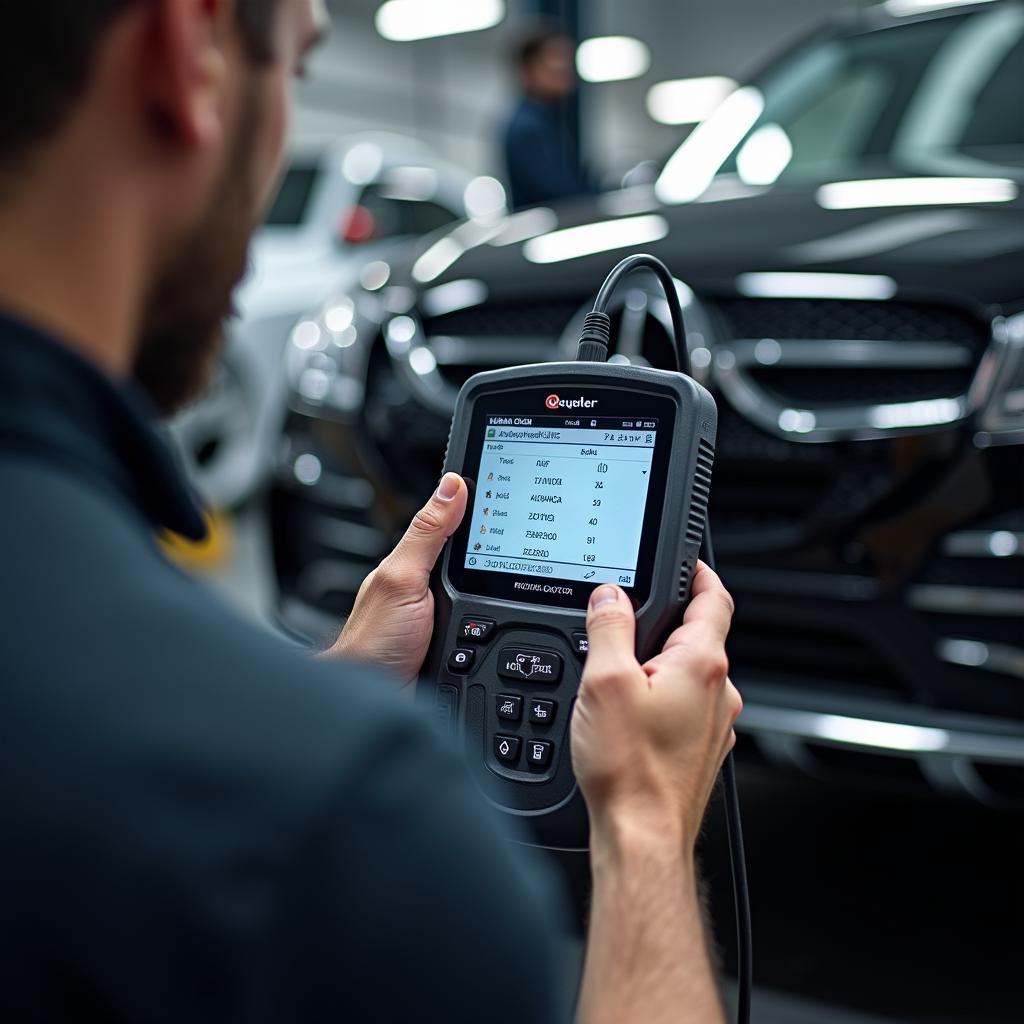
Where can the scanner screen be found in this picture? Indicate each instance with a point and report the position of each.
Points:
(561, 497)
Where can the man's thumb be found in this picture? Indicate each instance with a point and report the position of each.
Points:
(611, 628)
(433, 524)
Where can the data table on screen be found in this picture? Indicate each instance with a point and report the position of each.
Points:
(562, 502)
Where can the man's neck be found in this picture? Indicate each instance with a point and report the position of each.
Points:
(68, 264)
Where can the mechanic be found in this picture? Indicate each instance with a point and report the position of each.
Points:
(202, 822)
(542, 153)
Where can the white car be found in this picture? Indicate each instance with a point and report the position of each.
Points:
(337, 210)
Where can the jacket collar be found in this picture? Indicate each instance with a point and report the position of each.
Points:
(57, 406)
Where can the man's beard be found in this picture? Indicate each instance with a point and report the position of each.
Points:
(182, 325)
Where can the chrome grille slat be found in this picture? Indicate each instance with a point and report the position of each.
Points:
(833, 353)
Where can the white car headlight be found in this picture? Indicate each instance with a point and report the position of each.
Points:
(323, 362)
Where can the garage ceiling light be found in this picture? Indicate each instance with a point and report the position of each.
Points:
(587, 239)
(693, 166)
(687, 100)
(875, 193)
(612, 58)
(404, 21)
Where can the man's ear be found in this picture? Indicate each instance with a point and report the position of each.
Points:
(187, 67)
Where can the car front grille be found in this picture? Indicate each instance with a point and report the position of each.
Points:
(823, 605)
(851, 320)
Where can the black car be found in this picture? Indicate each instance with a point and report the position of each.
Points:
(848, 234)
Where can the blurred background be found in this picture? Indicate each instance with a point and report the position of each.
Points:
(838, 190)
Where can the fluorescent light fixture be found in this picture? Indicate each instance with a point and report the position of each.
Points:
(806, 285)
(612, 58)
(687, 100)
(484, 198)
(764, 156)
(888, 735)
(528, 224)
(875, 193)
(901, 8)
(693, 166)
(602, 236)
(404, 21)
(453, 295)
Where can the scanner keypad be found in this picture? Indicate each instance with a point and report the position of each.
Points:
(529, 677)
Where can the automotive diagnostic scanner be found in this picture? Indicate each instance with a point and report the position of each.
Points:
(580, 473)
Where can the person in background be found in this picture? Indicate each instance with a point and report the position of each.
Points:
(541, 150)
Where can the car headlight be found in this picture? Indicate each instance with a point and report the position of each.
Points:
(1000, 384)
(324, 362)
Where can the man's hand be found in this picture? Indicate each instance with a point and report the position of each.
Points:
(393, 616)
(648, 740)
(647, 743)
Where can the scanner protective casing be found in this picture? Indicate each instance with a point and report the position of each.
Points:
(549, 801)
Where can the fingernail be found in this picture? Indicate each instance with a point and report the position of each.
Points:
(603, 595)
(448, 487)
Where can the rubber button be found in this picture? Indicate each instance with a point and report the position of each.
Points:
(506, 748)
(509, 706)
(461, 659)
(542, 712)
(533, 666)
(538, 753)
(476, 630)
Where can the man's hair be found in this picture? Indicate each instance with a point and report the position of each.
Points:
(47, 48)
(533, 43)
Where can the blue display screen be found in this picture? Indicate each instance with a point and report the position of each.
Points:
(562, 497)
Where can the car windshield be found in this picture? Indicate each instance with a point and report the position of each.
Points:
(941, 95)
(292, 199)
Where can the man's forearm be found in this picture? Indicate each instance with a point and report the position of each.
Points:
(647, 960)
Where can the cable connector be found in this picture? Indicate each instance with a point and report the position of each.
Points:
(594, 338)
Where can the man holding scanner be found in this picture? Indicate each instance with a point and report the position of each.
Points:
(202, 822)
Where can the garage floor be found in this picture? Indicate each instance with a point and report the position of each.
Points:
(868, 907)
(905, 908)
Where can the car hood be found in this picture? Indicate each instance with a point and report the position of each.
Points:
(288, 271)
(973, 254)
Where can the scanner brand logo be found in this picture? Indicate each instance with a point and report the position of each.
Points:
(554, 402)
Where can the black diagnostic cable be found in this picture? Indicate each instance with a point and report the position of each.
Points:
(593, 347)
